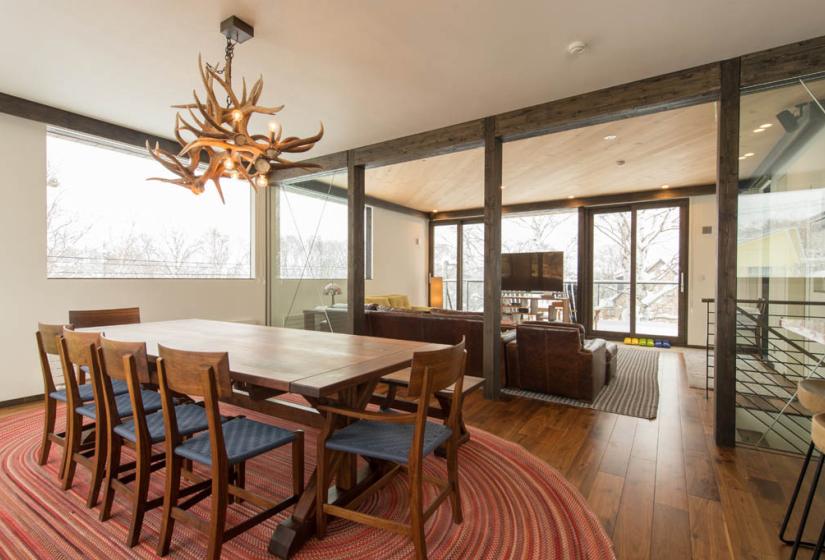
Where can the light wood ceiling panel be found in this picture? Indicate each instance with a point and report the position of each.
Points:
(675, 147)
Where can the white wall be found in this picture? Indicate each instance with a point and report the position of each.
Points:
(26, 296)
(399, 258)
(701, 265)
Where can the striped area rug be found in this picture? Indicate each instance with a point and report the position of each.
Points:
(516, 507)
(634, 391)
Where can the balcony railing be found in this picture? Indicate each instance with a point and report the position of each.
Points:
(770, 361)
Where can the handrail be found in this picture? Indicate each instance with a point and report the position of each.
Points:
(770, 301)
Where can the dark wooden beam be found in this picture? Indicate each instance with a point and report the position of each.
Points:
(52, 116)
(788, 62)
(587, 201)
(492, 260)
(642, 97)
(320, 187)
(727, 201)
(329, 163)
(446, 140)
(356, 200)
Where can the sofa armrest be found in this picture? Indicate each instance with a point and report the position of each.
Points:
(594, 344)
(596, 349)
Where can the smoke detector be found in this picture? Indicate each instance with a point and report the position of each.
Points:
(576, 47)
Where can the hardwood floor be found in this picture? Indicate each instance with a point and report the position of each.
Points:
(661, 488)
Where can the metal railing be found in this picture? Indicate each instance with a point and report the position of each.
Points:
(770, 362)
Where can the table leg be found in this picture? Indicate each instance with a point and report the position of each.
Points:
(291, 534)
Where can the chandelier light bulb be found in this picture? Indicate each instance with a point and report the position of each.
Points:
(273, 126)
(229, 164)
(237, 115)
(234, 174)
(261, 181)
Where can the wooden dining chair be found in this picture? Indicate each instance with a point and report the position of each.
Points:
(78, 350)
(85, 318)
(222, 449)
(404, 439)
(127, 362)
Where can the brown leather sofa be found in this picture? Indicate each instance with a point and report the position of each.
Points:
(555, 358)
(439, 327)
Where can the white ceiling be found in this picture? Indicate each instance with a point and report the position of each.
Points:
(371, 70)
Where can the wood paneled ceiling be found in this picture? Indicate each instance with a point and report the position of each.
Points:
(677, 148)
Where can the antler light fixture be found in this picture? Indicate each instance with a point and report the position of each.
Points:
(217, 134)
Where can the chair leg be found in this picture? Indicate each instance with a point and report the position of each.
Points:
(141, 493)
(170, 500)
(794, 497)
(322, 490)
(112, 469)
(48, 429)
(73, 433)
(217, 519)
(99, 468)
(452, 477)
(417, 513)
(801, 530)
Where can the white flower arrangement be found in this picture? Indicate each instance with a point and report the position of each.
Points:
(332, 289)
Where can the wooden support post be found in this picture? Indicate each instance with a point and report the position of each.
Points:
(492, 260)
(727, 193)
(356, 200)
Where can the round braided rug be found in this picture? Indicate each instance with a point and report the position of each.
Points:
(515, 507)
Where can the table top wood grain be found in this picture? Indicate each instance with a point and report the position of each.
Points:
(310, 363)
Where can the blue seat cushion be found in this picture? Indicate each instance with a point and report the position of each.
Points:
(151, 403)
(86, 392)
(243, 439)
(390, 442)
(191, 420)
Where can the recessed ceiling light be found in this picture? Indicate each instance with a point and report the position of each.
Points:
(435, 210)
(571, 196)
(503, 187)
(766, 125)
(610, 137)
(742, 157)
(576, 47)
(758, 130)
(665, 186)
(749, 154)
(620, 162)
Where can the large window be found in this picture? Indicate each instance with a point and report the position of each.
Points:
(445, 265)
(547, 231)
(312, 231)
(105, 220)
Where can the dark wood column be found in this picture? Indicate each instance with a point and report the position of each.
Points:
(727, 193)
(492, 260)
(356, 200)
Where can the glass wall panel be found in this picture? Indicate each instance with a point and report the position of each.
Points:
(657, 271)
(472, 259)
(445, 262)
(780, 261)
(308, 260)
(612, 245)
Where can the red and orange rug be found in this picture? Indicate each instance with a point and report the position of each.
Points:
(516, 507)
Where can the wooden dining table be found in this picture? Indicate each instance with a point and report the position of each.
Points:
(266, 362)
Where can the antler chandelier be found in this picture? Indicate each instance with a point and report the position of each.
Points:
(217, 134)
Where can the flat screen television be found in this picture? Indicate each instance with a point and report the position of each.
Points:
(533, 272)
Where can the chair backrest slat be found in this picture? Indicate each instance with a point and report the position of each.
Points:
(443, 367)
(126, 361)
(47, 337)
(196, 374)
(85, 318)
(78, 349)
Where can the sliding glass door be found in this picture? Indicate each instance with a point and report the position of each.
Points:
(637, 269)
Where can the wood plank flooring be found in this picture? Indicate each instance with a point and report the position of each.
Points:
(661, 488)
